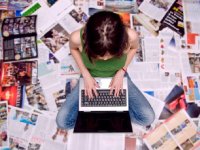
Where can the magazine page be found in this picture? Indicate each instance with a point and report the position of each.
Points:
(19, 38)
(35, 96)
(174, 18)
(160, 139)
(156, 9)
(191, 17)
(21, 73)
(14, 95)
(177, 132)
(183, 130)
(4, 137)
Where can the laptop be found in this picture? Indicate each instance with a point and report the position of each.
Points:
(104, 113)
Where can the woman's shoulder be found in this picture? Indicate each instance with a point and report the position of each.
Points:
(133, 40)
(75, 38)
(132, 34)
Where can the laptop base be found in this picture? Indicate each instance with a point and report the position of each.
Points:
(103, 122)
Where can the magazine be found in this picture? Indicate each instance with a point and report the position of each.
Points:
(19, 73)
(157, 14)
(177, 133)
(19, 38)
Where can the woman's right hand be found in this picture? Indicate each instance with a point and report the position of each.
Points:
(90, 86)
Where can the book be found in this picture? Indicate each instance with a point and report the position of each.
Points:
(19, 38)
(178, 132)
(156, 15)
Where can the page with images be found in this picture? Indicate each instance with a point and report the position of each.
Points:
(82, 4)
(44, 16)
(22, 73)
(191, 86)
(35, 96)
(160, 139)
(68, 65)
(183, 130)
(19, 38)
(14, 95)
(4, 143)
(174, 18)
(167, 58)
(156, 9)
(190, 61)
(55, 137)
(150, 24)
(73, 19)
(56, 38)
(21, 124)
(191, 16)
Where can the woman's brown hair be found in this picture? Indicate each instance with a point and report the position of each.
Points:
(105, 33)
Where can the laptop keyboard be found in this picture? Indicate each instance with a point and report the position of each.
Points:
(104, 99)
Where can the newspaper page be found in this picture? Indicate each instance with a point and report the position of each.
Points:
(177, 132)
(167, 58)
(46, 13)
(4, 125)
(191, 17)
(156, 9)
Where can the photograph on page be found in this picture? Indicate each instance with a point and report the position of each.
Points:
(35, 96)
(55, 38)
(4, 138)
(191, 84)
(17, 143)
(183, 130)
(14, 95)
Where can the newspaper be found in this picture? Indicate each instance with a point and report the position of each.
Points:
(177, 132)
(34, 131)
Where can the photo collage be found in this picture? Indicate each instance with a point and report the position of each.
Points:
(19, 38)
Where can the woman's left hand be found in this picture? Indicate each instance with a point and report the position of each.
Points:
(117, 83)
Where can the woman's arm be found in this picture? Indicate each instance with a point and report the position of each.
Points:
(75, 46)
(117, 81)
